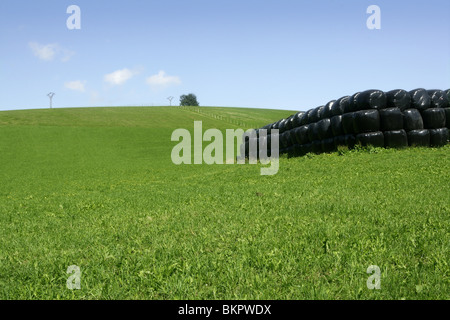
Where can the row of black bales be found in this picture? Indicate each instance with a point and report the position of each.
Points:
(393, 119)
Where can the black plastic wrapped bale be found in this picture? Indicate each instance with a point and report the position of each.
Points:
(316, 146)
(320, 113)
(306, 148)
(337, 109)
(328, 145)
(419, 138)
(292, 122)
(398, 99)
(375, 139)
(282, 126)
(310, 132)
(296, 133)
(433, 118)
(395, 139)
(301, 134)
(308, 116)
(324, 129)
(447, 117)
(289, 124)
(313, 132)
(447, 92)
(275, 125)
(347, 123)
(314, 115)
(284, 140)
(297, 119)
(351, 106)
(350, 140)
(420, 99)
(366, 121)
(371, 99)
(336, 126)
(301, 150)
(438, 137)
(303, 119)
(412, 120)
(391, 119)
(339, 141)
(291, 137)
(327, 113)
(297, 150)
(279, 123)
(438, 98)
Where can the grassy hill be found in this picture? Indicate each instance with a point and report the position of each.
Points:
(96, 188)
(145, 117)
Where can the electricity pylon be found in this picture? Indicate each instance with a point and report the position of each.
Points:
(50, 95)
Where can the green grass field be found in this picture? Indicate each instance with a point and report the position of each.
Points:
(97, 188)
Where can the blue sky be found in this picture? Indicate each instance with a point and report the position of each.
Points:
(283, 54)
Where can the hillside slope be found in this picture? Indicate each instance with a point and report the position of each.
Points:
(160, 117)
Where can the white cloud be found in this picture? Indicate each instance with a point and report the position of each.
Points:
(163, 80)
(49, 52)
(75, 85)
(119, 77)
(44, 52)
(66, 55)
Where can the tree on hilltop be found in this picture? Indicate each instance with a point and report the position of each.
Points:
(189, 100)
